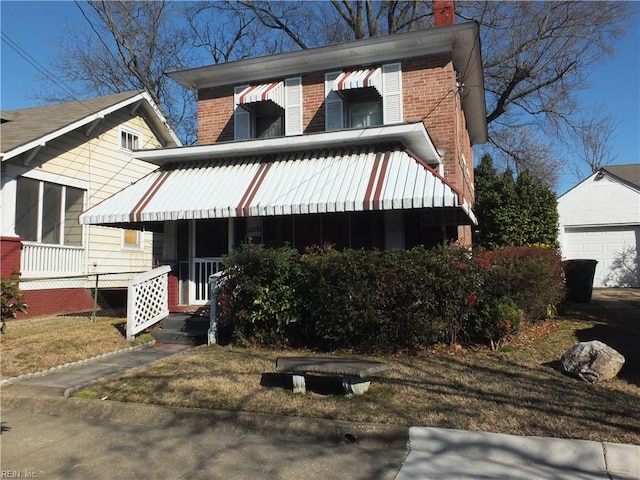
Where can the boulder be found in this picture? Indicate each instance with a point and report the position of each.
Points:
(592, 361)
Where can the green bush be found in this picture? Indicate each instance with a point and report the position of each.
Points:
(495, 319)
(370, 300)
(406, 301)
(257, 296)
(531, 276)
(339, 296)
(12, 300)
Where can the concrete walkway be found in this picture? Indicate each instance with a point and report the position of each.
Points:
(56, 437)
(442, 454)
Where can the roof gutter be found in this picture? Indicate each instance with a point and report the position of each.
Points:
(159, 122)
(413, 136)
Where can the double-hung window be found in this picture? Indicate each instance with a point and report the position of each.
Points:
(364, 97)
(268, 110)
(48, 212)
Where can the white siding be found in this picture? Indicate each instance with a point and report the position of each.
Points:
(599, 202)
(98, 163)
(600, 220)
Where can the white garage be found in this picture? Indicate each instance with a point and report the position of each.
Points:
(600, 220)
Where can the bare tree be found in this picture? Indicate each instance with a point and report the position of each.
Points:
(536, 55)
(591, 142)
(128, 46)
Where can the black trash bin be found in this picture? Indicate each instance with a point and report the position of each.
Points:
(579, 279)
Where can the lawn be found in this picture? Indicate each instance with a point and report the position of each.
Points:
(37, 344)
(516, 389)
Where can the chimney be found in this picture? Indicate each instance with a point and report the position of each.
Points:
(444, 13)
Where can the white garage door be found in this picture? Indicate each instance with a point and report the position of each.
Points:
(615, 249)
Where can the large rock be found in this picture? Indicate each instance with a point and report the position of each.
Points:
(592, 361)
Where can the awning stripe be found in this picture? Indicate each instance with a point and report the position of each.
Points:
(372, 180)
(135, 214)
(383, 172)
(317, 181)
(260, 93)
(359, 79)
(254, 186)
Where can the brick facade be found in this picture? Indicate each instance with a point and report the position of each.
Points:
(429, 94)
(10, 248)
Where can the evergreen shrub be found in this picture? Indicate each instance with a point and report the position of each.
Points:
(368, 300)
(531, 276)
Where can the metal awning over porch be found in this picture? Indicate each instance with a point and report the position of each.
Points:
(345, 179)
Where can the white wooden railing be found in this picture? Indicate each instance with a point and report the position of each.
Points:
(39, 260)
(147, 300)
(203, 268)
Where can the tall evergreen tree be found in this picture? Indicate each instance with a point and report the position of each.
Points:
(513, 211)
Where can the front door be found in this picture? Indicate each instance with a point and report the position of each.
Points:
(210, 241)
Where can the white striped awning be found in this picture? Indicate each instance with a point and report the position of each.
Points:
(260, 93)
(359, 79)
(321, 181)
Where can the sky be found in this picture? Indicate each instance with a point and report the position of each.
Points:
(35, 27)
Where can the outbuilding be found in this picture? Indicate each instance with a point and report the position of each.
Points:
(600, 220)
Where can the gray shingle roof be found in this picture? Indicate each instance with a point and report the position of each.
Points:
(19, 127)
(628, 173)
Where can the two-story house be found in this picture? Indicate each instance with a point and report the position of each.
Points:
(58, 160)
(364, 144)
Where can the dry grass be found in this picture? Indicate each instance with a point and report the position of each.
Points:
(36, 344)
(516, 390)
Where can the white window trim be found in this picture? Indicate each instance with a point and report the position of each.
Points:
(130, 247)
(63, 197)
(131, 131)
(18, 171)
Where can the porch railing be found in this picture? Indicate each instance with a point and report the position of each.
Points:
(203, 268)
(38, 260)
(147, 300)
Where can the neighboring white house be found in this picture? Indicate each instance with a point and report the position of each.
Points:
(600, 220)
(58, 160)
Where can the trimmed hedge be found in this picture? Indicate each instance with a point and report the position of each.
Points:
(531, 276)
(370, 300)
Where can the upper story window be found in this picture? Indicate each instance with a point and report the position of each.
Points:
(363, 98)
(48, 212)
(363, 108)
(268, 110)
(130, 139)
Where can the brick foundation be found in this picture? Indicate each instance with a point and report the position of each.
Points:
(10, 248)
(58, 301)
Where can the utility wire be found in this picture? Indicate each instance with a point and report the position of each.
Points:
(438, 103)
(40, 68)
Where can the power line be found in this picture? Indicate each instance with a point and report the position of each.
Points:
(40, 68)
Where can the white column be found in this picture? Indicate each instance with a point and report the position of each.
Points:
(8, 205)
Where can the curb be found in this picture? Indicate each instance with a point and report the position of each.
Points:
(366, 435)
(41, 373)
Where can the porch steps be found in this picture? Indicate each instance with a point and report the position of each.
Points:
(183, 329)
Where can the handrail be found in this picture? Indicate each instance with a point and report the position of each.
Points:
(147, 300)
